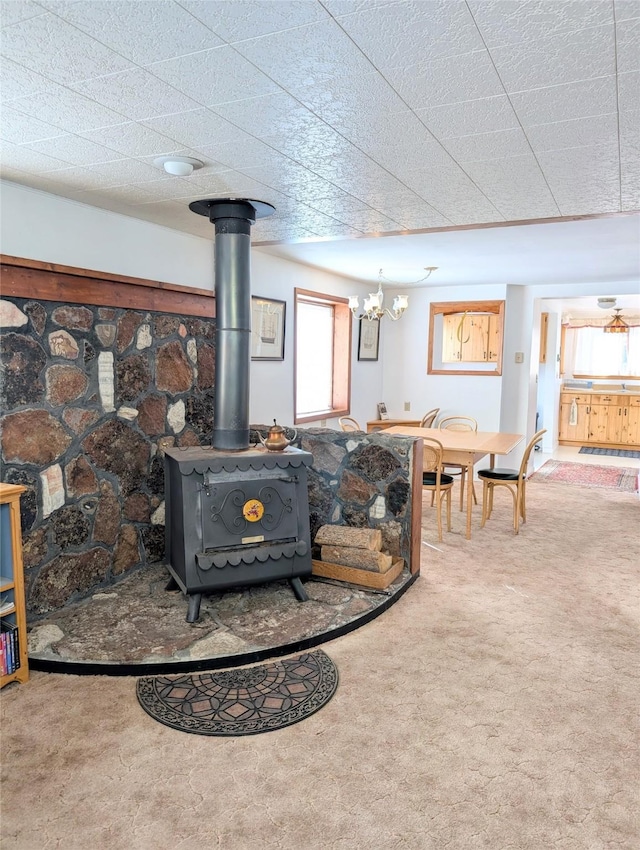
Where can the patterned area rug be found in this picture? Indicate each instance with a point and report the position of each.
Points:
(242, 701)
(587, 475)
(596, 450)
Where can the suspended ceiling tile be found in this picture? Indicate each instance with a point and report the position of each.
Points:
(455, 79)
(561, 103)
(194, 128)
(277, 114)
(127, 171)
(305, 56)
(314, 146)
(400, 34)
(136, 94)
(516, 21)
(244, 152)
(30, 158)
(579, 132)
(76, 177)
(628, 45)
(369, 221)
(18, 81)
(554, 60)
(20, 128)
(400, 138)
(450, 191)
(347, 101)
(507, 180)
(419, 216)
(630, 176)
(504, 143)
(485, 115)
(340, 205)
(13, 13)
(583, 179)
(74, 150)
(214, 76)
(253, 18)
(67, 109)
(626, 9)
(628, 91)
(66, 53)
(132, 139)
(141, 31)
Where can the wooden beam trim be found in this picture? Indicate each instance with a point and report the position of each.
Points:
(48, 282)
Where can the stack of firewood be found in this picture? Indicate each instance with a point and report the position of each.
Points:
(353, 555)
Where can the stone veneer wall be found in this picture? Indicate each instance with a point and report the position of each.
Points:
(90, 395)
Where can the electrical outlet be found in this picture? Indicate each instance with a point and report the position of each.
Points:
(407, 405)
(323, 423)
(519, 356)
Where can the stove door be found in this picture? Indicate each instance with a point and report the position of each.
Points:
(242, 512)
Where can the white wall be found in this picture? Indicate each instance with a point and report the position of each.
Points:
(405, 349)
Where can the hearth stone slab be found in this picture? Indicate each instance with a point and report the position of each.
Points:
(138, 623)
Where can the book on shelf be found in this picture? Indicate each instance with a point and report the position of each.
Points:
(11, 647)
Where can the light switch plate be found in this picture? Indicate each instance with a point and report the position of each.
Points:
(407, 405)
(519, 356)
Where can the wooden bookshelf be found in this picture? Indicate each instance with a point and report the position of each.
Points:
(12, 576)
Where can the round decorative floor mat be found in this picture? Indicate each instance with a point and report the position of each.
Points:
(242, 701)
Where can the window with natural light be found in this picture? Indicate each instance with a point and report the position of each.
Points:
(322, 366)
(591, 353)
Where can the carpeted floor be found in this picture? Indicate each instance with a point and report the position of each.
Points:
(241, 701)
(587, 475)
(596, 450)
(494, 707)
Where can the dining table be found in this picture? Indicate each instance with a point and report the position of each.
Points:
(466, 448)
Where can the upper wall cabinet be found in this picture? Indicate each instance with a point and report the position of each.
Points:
(465, 338)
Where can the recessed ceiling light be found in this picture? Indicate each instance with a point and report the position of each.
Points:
(178, 166)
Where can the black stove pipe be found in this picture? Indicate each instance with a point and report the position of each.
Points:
(232, 219)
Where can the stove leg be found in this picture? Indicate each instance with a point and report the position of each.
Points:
(298, 589)
(194, 607)
(172, 584)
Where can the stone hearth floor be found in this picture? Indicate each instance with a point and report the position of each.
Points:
(137, 626)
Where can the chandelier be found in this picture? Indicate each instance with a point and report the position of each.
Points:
(373, 306)
(617, 325)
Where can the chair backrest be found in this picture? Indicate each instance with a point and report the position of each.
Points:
(348, 423)
(432, 455)
(428, 418)
(527, 452)
(458, 423)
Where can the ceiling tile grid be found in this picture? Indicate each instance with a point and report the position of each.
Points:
(357, 116)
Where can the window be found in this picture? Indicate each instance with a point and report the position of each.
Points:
(588, 352)
(322, 371)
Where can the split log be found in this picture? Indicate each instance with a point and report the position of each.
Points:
(363, 559)
(346, 535)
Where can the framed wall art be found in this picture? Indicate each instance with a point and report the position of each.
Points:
(267, 328)
(368, 339)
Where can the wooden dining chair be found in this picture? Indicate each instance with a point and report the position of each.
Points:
(348, 423)
(429, 418)
(514, 479)
(460, 423)
(435, 481)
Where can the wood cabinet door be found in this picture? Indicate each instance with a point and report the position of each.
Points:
(475, 339)
(599, 422)
(494, 339)
(631, 425)
(578, 432)
(450, 342)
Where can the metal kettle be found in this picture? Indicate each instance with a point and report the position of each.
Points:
(276, 440)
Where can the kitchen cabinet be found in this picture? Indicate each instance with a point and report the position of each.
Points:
(603, 419)
(470, 338)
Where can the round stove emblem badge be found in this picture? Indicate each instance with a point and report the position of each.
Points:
(252, 510)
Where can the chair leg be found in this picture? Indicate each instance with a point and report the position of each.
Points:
(516, 509)
(523, 508)
(439, 508)
(473, 492)
(485, 502)
(463, 473)
(448, 498)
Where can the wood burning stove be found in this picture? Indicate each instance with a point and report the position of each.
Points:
(236, 518)
(235, 514)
